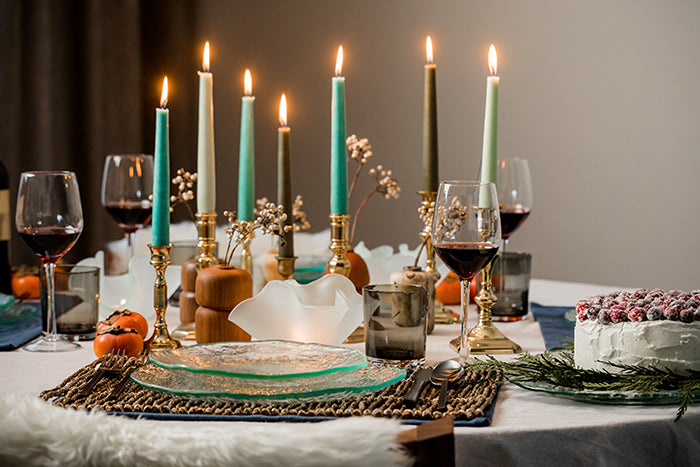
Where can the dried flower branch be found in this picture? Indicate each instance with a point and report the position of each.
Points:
(298, 216)
(185, 190)
(268, 218)
(359, 150)
(450, 219)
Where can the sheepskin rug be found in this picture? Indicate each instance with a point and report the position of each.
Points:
(33, 432)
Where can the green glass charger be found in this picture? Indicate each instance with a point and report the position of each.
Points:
(269, 359)
(321, 388)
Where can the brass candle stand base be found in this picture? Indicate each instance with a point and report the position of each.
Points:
(285, 266)
(442, 316)
(206, 239)
(246, 256)
(160, 260)
(485, 338)
(339, 263)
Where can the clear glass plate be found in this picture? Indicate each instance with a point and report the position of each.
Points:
(272, 359)
(327, 387)
(16, 312)
(603, 397)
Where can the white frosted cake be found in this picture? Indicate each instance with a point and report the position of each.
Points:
(648, 328)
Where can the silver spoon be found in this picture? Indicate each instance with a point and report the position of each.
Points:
(445, 373)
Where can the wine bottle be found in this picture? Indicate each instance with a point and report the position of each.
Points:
(5, 224)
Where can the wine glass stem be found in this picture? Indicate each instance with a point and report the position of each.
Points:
(463, 344)
(50, 299)
(131, 241)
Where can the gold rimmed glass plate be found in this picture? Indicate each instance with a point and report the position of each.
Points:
(326, 387)
(603, 397)
(270, 359)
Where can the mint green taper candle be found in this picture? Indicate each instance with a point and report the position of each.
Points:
(339, 164)
(246, 153)
(489, 154)
(161, 174)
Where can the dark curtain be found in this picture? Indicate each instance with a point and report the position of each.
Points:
(80, 80)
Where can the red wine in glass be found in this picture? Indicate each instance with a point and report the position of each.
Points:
(49, 243)
(466, 259)
(130, 216)
(511, 220)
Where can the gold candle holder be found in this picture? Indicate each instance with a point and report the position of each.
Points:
(160, 260)
(206, 239)
(246, 256)
(285, 266)
(428, 203)
(485, 338)
(339, 263)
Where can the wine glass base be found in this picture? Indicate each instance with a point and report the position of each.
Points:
(51, 343)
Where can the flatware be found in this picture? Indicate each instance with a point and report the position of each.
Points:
(420, 377)
(445, 373)
(119, 387)
(111, 363)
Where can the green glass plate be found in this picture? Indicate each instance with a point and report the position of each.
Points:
(270, 359)
(603, 397)
(327, 387)
(16, 312)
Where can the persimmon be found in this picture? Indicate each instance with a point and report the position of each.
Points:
(449, 290)
(26, 283)
(126, 319)
(118, 340)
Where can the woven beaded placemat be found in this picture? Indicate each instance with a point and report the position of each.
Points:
(471, 402)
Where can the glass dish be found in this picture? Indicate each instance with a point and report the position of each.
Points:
(326, 387)
(17, 312)
(272, 359)
(603, 397)
(570, 316)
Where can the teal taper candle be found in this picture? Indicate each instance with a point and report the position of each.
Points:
(206, 169)
(246, 163)
(284, 182)
(339, 164)
(489, 154)
(161, 174)
(430, 134)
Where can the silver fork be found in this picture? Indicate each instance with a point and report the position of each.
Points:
(119, 387)
(111, 363)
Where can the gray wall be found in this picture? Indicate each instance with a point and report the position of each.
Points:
(601, 97)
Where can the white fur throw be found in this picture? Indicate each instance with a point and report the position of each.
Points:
(33, 432)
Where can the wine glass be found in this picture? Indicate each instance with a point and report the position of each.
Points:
(515, 197)
(49, 219)
(127, 188)
(514, 194)
(466, 235)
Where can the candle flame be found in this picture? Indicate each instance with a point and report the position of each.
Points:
(164, 94)
(205, 58)
(429, 49)
(493, 60)
(339, 62)
(248, 83)
(283, 110)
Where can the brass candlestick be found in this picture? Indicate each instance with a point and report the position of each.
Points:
(160, 260)
(206, 236)
(339, 263)
(246, 256)
(285, 266)
(428, 206)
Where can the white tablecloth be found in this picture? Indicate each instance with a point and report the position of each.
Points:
(528, 428)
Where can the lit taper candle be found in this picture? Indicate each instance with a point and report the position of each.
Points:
(430, 130)
(161, 174)
(489, 154)
(339, 165)
(284, 180)
(246, 163)
(206, 168)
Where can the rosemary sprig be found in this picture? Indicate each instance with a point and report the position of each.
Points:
(557, 368)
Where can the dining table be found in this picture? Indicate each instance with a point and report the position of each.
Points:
(527, 427)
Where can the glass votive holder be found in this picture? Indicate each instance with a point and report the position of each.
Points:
(511, 284)
(395, 323)
(77, 293)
